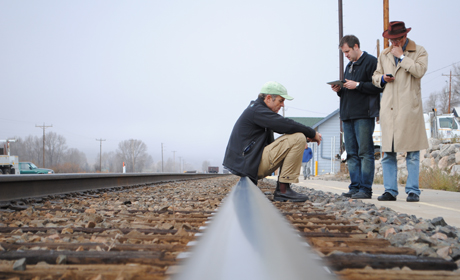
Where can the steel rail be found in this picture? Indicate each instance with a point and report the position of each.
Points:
(249, 239)
(14, 187)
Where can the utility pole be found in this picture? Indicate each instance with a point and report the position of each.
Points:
(44, 127)
(386, 21)
(162, 158)
(450, 87)
(341, 74)
(100, 154)
(174, 161)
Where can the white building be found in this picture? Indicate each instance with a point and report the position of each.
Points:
(325, 156)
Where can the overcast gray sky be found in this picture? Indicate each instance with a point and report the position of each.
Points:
(181, 72)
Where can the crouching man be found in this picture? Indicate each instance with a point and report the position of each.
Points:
(252, 150)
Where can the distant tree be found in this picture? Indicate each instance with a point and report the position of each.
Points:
(110, 162)
(443, 101)
(205, 166)
(440, 101)
(430, 103)
(77, 158)
(456, 85)
(149, 165)
(28, 149)
(55, 146)
(158, 166)
(67, 167)
(133, 153)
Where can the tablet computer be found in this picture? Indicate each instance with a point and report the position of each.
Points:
(338, 82)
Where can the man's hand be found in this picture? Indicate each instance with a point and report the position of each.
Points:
(397, 51)
(388, 79)
(335, 88)
(318, 138)
(350, 84)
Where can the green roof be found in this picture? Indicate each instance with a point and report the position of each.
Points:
(306, 121)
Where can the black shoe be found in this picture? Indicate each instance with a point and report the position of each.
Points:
(290, 195)
(350, 193)
(386, 196)
(413, 197)
(362, 195)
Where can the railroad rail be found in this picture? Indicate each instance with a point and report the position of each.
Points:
(249, 239)
(20, 186)
(156, 231)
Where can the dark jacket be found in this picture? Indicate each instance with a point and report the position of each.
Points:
(252, 132)
(364, 101)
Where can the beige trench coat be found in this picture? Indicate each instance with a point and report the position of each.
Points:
(401, 112)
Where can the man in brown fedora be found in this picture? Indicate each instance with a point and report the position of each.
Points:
(399, 71)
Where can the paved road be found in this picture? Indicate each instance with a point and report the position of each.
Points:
(433, 203)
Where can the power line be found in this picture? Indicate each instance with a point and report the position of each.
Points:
(441, 68)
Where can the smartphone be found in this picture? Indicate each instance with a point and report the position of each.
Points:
(389, 75)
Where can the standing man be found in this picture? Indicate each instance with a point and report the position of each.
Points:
(399, 71)
(307, 155)
(359, 106)
(252, 150)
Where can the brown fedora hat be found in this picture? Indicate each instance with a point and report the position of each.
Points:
(395, 30)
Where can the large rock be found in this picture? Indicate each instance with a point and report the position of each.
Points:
(438, 221)
(443, 162)
(451, 159)
(434, 142)
(426, 162)
(447, 150)
(455, 170)
(457, 157)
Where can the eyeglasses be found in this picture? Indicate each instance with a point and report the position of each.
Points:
(397, 39)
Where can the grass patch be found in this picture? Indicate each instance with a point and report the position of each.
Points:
(438, 179)
(378, 179)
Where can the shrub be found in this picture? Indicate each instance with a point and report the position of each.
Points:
(439, 180)
(67, 167)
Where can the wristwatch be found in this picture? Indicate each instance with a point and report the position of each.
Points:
(357, 84)
(401, 57)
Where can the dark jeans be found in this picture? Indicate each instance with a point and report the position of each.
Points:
(360, 153)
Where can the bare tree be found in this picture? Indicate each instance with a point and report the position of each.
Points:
(443, 101)
(169, 166)
(456, 86)
(28, 149)
(149, 164)
(110, 162)
(55, 148)
(205, 166)
(430, 103)
(133, 153)
(77, 158)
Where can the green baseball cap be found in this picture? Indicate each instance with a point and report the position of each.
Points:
(275, 88)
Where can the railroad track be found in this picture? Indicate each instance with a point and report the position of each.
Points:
(147, 231)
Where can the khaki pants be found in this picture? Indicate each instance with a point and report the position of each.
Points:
(285, 152)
